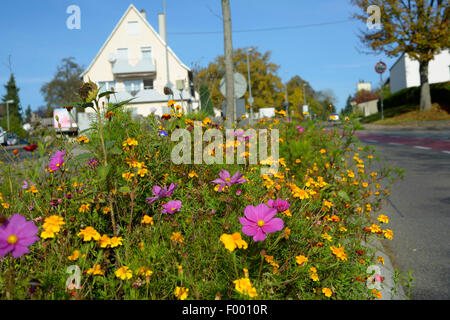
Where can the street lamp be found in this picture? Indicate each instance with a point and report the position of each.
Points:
(250, 97)
(7, 110)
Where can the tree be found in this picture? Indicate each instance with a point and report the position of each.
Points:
(348, 106)
(297, 100)
(12, 93)
(267, 88)
(418, 28)
(28, 114)
(205, 100)
(63, 88)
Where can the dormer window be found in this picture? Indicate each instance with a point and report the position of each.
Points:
(146, 53)
(148, 84)
(133, 28)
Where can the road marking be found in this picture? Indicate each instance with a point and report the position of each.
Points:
(420, 147)
(373, 141)
(395, 144)
(445, 151)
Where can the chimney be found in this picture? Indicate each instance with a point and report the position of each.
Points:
(144, 14)
(162, 26)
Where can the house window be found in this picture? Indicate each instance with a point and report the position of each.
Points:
(133, 86)
(106, 85)
(148, 84)
(133, 28)
(146, 53)
(122, 54)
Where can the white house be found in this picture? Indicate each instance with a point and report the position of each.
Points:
(133, 62)
(405, 71)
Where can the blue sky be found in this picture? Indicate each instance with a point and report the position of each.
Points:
(36, 36)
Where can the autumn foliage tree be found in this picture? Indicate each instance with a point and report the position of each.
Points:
(267, 88)
(418, 28)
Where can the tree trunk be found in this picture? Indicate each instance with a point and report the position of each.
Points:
(425, 97)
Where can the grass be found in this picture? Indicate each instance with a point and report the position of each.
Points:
(408, 113)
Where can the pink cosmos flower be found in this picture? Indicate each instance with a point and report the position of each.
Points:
(16, 235)
(226, 180)
(57, 160)
(300, 129)
(172, 206)
(259, 221)
(279, 204)
(159, 193)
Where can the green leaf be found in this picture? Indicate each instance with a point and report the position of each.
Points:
(41, 149)
(101, 95)
(83, 157)
(103, 172)
(125, 189)
(118, 105)
(343, 195)
(115, 150)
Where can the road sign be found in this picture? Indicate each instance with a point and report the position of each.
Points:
(380, 67)
(240, 108)
(240, 86)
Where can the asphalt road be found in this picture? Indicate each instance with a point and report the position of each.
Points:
(419, 207)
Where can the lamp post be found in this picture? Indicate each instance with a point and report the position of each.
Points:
(250, 97)
(7, 110)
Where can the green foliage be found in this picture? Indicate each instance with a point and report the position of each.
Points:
(205, 100)
(63, 88)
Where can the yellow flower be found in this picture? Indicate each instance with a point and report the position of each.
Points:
(144, 271)
(147, 220)
(75, 255)
(128, 143)
(176, 237)
(287, 213)
(181, 293)
(388, 234)
(104, 241)
(339, 252)
(84, 208)
(374, 228)
(32, 189)
(365, 184)
(192, 174)
(116, 241)
(96, 270)
(233, 241)
(376, 294)
(5, 205)
(47, 234)
(53, 223)
(313, 274)
(342, 229)
(326, 236)
(127, 175)
(301, 259)
(180, 269)
(380, 259)
(244, 286)
(327, 292)
(287, 232)
(88, 234)
(124, 273)
(106, 210)
(142, 172)
(322, 151)
(383, 219)
(83, 139)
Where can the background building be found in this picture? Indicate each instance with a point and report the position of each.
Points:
(133, 62)
(405, 71)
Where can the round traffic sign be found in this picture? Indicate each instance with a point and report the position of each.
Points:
(380, 67)
(240, 86)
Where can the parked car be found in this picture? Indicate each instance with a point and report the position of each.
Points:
(333, 117)
(12, 139)
(2, 136)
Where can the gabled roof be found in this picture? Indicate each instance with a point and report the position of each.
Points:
(132, 7)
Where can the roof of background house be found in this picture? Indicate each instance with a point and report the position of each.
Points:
(132, 7)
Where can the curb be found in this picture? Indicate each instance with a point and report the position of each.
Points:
(389, 291)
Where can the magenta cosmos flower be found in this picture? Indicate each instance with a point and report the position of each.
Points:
(172, 206)
(300, 129)
(226, 180)
(259, 221)
(279, 204)
(16, 235)
(159, 193)
(57, 160)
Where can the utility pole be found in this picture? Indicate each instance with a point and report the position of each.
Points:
(381, 104)
(7, 110)
(229, 72)
(168, 87)
(286, 99)
(250, 97)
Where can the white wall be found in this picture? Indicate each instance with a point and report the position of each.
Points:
(398, 75)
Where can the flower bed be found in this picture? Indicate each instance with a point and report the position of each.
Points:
(113, 207)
